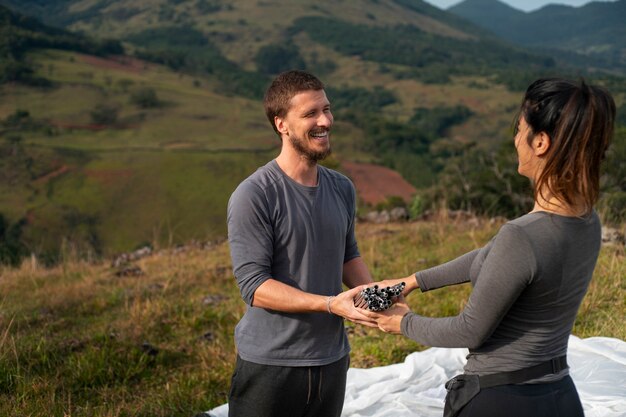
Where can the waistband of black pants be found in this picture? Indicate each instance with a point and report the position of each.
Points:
(553, 366)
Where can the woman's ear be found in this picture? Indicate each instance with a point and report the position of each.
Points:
(541, 143)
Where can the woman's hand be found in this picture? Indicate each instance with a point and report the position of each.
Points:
(410, 284)
(389, 320)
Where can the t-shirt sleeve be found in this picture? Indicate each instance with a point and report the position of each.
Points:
(250, 237)
(352, 249)
(454, 272)
(506, 272)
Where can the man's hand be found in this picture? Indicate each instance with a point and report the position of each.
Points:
(389, 320)
(343, 305)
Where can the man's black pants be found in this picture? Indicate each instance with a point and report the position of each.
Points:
(276, 391)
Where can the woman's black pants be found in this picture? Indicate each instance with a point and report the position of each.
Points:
(553, 399)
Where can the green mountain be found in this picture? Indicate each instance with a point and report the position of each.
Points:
(197, 34)
(596, 29)
(108, 151)
(493, 15)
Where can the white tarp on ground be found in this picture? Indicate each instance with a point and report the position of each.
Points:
(415, 388)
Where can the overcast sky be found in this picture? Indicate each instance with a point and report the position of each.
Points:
(525, 5)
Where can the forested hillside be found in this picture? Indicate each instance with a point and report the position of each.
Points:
(108, 145)
(240, 41)
(19, 34)
(595, 30)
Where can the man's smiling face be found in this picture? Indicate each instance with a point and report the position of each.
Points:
(307, 124)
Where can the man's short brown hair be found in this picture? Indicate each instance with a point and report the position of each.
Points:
(286, 85)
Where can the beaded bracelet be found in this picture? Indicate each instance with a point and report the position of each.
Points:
(328, 300)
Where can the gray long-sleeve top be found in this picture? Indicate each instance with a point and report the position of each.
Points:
(301, 236)
(528, 283)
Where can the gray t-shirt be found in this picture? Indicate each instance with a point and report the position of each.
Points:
(300, 236)
(528, 283)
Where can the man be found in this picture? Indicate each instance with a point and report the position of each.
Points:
(291, 235)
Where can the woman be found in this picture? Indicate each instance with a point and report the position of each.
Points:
(531, 278)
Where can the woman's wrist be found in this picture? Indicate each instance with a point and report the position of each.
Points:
(411, 284)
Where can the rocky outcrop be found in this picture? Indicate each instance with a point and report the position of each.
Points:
(397, 214)
(612, 236)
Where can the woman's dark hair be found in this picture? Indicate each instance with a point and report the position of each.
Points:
(286, 85)
(579, 119)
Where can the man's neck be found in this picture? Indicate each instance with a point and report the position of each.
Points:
(298, 168)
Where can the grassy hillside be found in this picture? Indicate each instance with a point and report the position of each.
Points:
(163, 173)
(154, 174)
(87, 340)
(240, 30)
(110, 152)
(247, 21)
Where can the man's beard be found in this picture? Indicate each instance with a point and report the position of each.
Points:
(309, 154)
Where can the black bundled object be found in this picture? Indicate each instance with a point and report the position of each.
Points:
(378, 299)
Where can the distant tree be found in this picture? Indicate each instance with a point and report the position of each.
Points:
(206, 6)
(321, 67)
(104, 114)
(82, 230)
(484, 182)
(145, 98)
(15, 144)
(125, 83)
(12, 249)
(185, 48)
(361, 99)
(18, 118)
(108, 47)
(620, 117)
(12, 70)
(272, 59)
(438, 120)
(613, 198)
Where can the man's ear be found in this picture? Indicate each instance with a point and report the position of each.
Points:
(541, 143)
(281, 125)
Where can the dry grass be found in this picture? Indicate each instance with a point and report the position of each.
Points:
(78, 340)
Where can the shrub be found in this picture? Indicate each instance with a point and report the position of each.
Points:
(104, 114)
(359, 98)
(613, 207)
(273, 59)
(145, 98)
(417, 206)
(12, 250)
(391, 202)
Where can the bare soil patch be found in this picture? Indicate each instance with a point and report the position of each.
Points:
(122, 63)
(375, 183)
(179, 145)
(52, 174)
(108, 176)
